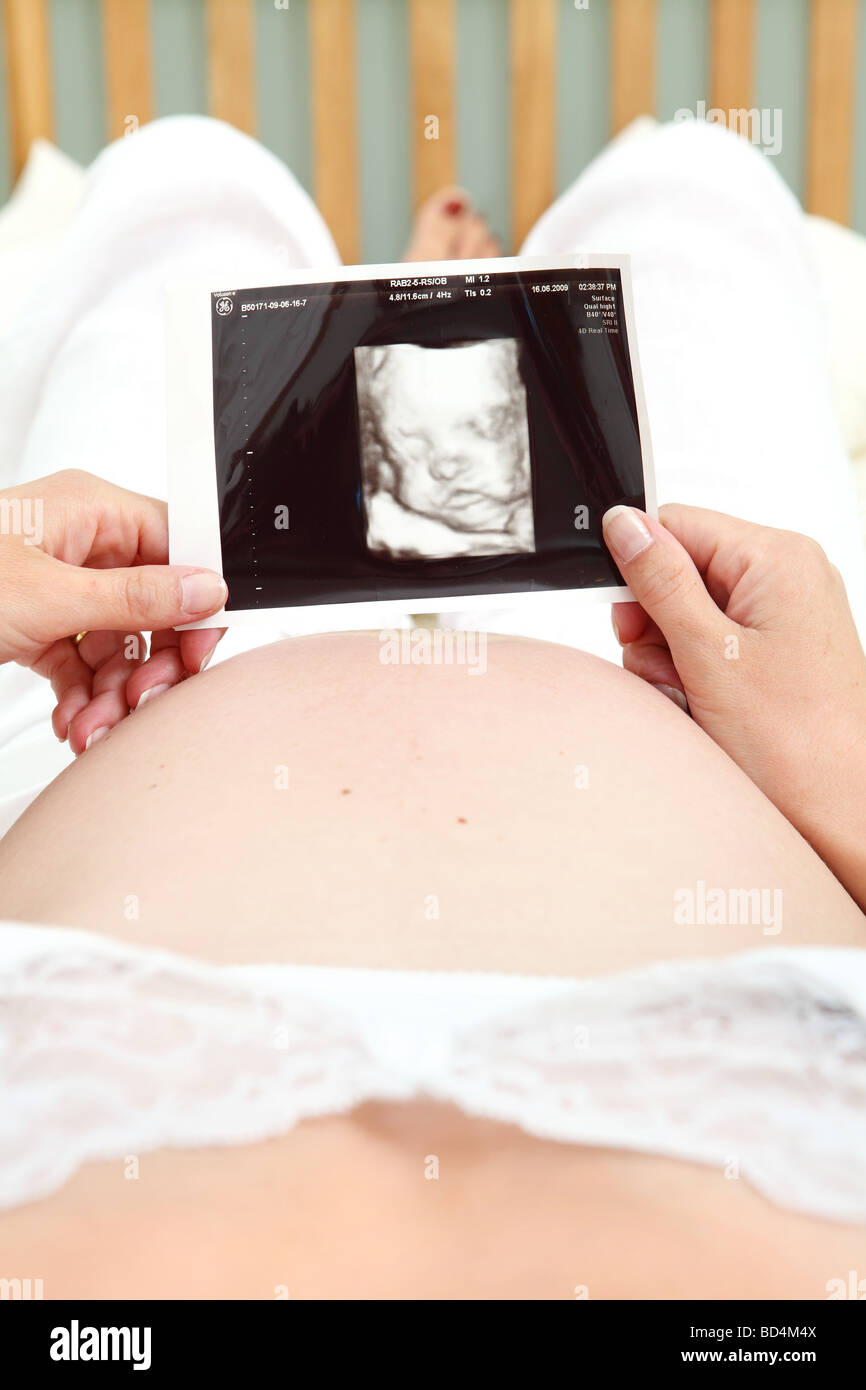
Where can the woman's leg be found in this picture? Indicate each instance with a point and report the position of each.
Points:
(82, 381)
(730, 340)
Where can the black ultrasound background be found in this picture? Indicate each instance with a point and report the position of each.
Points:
(294, 407)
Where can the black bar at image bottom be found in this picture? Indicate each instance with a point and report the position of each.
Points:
(228, 1338)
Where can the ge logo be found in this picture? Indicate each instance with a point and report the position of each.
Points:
(224, 305)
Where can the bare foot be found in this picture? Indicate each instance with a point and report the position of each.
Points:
(447, 228)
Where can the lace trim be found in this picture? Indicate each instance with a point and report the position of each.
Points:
(754, 1064)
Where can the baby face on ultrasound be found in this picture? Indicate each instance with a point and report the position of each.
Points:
(444, 434)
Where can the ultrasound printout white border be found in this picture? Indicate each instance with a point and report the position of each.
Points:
(194, 528)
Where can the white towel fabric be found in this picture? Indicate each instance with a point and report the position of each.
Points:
(730, 340)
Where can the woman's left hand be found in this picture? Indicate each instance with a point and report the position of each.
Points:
(80, 555)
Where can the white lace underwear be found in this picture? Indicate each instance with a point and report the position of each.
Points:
(754, 1064)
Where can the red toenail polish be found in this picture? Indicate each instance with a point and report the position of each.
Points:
(453, 208)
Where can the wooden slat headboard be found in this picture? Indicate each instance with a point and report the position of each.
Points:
(231, 34)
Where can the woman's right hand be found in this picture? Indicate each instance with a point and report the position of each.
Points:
(752, 626)
(79, 553)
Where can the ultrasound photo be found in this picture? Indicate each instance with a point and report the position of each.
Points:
(422, 438)
(445, 461)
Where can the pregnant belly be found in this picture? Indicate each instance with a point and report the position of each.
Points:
(308, 802)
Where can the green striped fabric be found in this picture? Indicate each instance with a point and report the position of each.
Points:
(483, 108)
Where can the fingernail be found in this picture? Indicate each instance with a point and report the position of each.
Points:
(205, 659)
(204, 592)
(615, 623)
(625, 533)
(149, 694)
(673, 694)
(96, 735)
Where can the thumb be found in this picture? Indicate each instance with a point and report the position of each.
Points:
(138, 598)
(662, 577)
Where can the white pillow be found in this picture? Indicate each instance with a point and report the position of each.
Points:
(33, 221)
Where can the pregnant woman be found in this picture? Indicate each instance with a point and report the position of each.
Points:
(337, 978)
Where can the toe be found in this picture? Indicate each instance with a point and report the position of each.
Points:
(476, 238)
(449, 202)
(438, 224)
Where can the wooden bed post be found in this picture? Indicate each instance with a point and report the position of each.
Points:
(128, 65)
(28, 59)
(532, 40)
(632, 61)
(335, 120)
(432, 50)
(231, 63)
(831, 107)
(732, 54)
